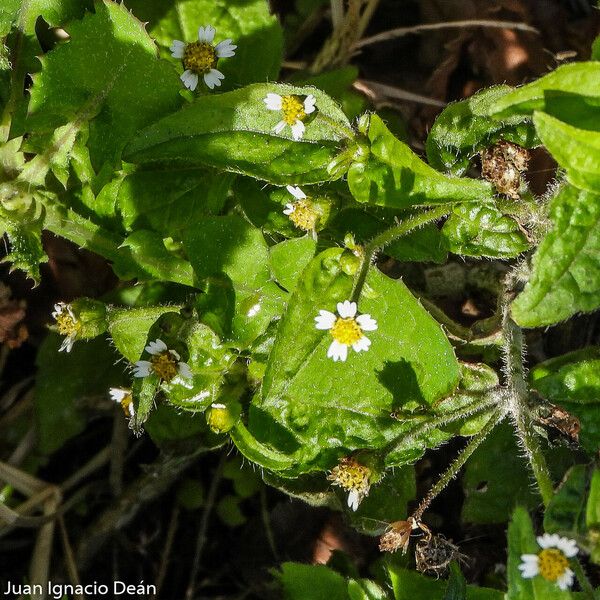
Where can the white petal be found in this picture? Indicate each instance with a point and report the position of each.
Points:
(565, 581)
(184, 370)
(273, 101)
(530, 558)
(548, 540)
(298, 130)
(177, 49)
(117, 394)
(67, 344)
(156, 347)
(346, 309)
(353, 499)
(296, 192)
(289, 209)
(337, 351)
(131, 409)
(225, 49)
(366, 322)
(279, 127)
(309, 104)
(567, 546)
(58, 309)
(206, 34)
(174, 354)
(213, 78)
(325, 320)
(142, 368)
(190, 80)
(362, 345)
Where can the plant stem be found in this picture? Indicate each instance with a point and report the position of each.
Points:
(514, 350)
(458, 463)
(485, 402)
(584, 582)
(391, 235)
(337, 13)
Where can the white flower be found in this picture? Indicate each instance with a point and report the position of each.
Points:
(67, 324)
(123, 397)
(293, 112)
(346, 329)
(353, 477)
(552, 562)
(201, 57)
(164, 362)
(302, 212)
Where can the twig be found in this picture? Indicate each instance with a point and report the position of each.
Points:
(375, 91)
(95, 463)
(69, 557)
(201, 539)
(164, 559)
(337, 13)
(402, 31)
(266, 518)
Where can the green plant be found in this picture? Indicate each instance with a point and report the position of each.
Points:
(238, 216)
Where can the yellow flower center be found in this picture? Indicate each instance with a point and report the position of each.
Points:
(164, 365)
(350, 475)
(67, 325)
(292, 109)
(346, 331)
(126, 402)
(199, 57)
(552, 563)
(304, 215)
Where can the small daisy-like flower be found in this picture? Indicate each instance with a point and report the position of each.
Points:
(123, 397)
(353, 477)
(201, 57)
(293, 112)
(67, 324)
(552, 562)
(302, 212)
(164, 362)
(346, 329)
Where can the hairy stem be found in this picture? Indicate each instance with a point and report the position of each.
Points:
(458, 463)
(518, 394)
(484, 403)
(389, 236)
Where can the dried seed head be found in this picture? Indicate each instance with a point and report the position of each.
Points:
(434, 553)
(397, 536)
(502, 164)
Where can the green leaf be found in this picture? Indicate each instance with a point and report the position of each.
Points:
(565, 275)
(25, 243)
(234, 131)
(108, 68)
(248, 23)
(476, 230)
(68, 382)
(496, 479)
(582, 78)
(592, 513)
(329, 408)
(565, 514)
(393, 175)
(289, 258)
(311, 582)
(572, 377)
(244, 258)
(129, 328)
(170, 201)
(596, 49)
(457, 586)
(521, 540)
(458, 133)
(410, 585)
(576, 150)
(148, 251)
